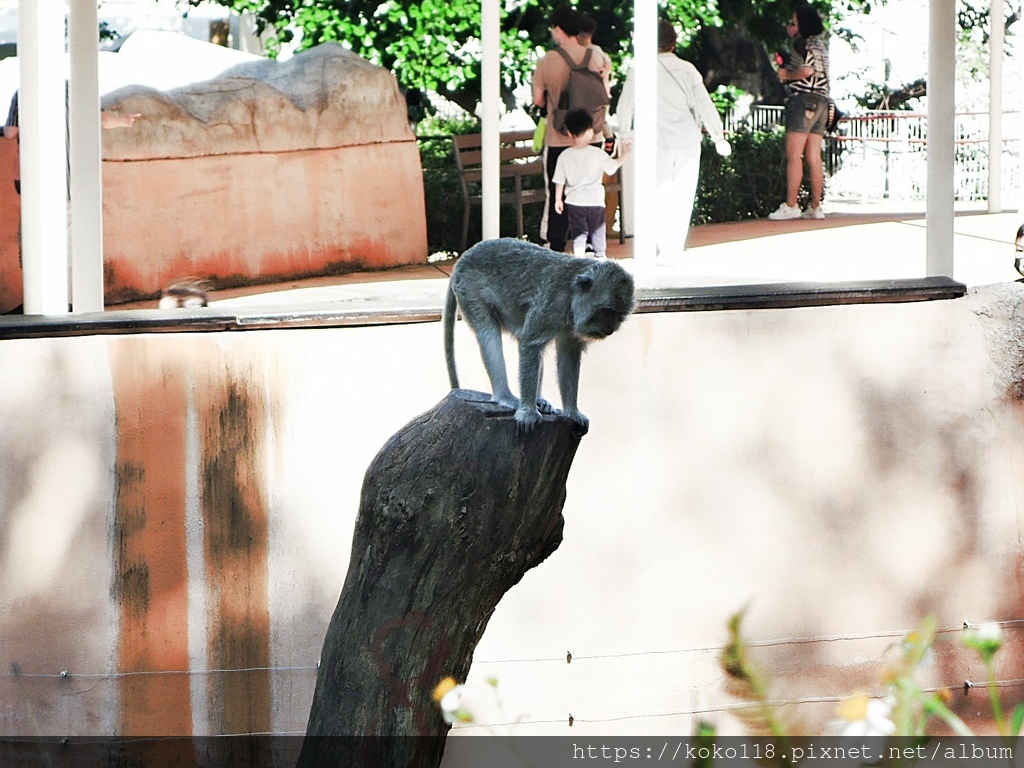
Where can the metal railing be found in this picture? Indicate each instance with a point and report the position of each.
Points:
(883, 155)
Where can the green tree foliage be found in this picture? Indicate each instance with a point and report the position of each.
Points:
(434, 45)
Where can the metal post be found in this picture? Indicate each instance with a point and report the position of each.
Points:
(995, 109)
(490, 138)
(43, 139)
(86, 159)
(645, 132)
(941, 144)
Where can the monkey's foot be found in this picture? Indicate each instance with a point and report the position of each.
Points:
(579, 418)
(545, 407)
(506, 401)
(526, 419)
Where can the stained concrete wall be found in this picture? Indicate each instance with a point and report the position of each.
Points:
(10, 216)
(183, 504)
(270, 170)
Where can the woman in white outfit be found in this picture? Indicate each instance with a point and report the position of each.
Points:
(684, 107)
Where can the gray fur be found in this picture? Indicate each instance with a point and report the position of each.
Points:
(538, 296)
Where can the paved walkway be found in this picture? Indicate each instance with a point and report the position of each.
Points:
(853, 243)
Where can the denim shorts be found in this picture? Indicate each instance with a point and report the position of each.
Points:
(806, 113)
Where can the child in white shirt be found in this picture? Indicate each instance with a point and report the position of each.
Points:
(579, 177)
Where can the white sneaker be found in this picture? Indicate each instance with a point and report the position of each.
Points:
(813, 213)
(785, 213)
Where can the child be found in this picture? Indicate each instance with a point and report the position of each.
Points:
(579, 175)
(585, 38)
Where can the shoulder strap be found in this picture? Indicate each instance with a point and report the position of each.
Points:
(566, 56)
(691, 100)
(572, 64)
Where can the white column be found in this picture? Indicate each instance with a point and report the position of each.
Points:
(86, 163)
(490, 112)
(43, 139)
(995, 109)
(941, 147)
(645, 132)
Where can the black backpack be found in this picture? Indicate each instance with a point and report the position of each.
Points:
(584, 90)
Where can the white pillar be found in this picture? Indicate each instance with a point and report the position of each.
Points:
(490, 112)
(42, 133)
(86, 162)
(645, 132)
(995, 109)
(941, 146)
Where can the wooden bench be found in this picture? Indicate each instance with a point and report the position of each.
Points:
(518, 162)
(521, 171)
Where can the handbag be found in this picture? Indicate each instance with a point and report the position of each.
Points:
(834, 116)
(538, 134)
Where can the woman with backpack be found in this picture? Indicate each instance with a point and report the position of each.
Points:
(551, 80)
(807, 107)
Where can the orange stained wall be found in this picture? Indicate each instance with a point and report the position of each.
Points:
(10, 214)
(247, 217)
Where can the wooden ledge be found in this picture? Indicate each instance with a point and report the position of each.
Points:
(787, 295)
(397, 312)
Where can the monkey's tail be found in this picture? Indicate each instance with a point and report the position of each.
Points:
(448, 318)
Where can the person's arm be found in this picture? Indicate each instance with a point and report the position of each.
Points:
(706, 109)
(804, 69)
(540, 88)
(611, 164)
(799, 73)
(559, 201)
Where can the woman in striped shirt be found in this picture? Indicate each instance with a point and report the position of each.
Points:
(806, 112)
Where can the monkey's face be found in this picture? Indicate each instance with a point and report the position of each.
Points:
(604, 322)
(603, 297)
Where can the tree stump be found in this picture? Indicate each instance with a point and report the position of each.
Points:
(455, 509)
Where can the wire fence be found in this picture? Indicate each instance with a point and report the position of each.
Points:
(880, 155)
(780, 642)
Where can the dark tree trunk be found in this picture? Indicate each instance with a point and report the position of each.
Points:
(455, 509)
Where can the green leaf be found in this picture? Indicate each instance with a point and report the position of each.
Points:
(1016, 720)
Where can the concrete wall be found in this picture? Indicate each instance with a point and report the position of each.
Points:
(184, 504)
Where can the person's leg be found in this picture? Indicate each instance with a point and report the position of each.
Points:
(689, 170)
(598, 234)
(579, 245)
(815, 168)
(795, 144)
(557, 222)
(576, 227)
(543, 233)
(669, 200)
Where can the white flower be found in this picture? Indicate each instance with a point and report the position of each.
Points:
(985, 638)
(451, 704)
(452, 699)
(867, 717)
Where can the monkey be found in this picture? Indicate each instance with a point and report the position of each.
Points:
(186, 292)
(538, 296)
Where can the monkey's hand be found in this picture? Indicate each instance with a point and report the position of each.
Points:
(545, 407)
(526, 418)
